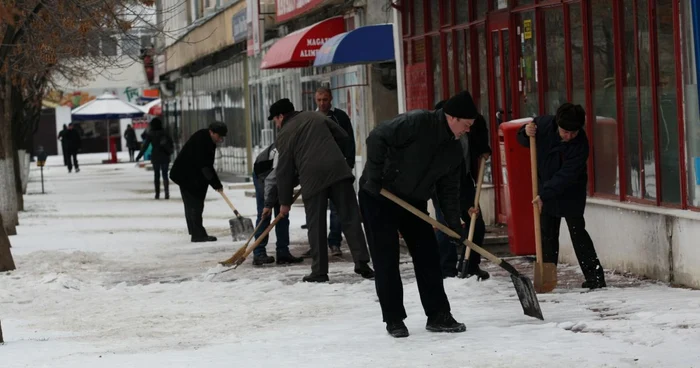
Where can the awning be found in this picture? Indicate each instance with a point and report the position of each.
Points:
(368, 44)
(298, 49)
(106, 107)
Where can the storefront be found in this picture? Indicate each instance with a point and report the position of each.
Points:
(630, 63)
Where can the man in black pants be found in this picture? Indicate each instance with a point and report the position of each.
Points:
(193, 170)
(71, 145)
(308, 148)
(412, 156)
(562, 155)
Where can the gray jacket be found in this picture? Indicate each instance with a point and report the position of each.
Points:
(271, 197)
(309, 152)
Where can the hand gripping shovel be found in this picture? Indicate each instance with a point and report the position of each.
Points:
(545, 273)
(523, 285)
(241, 226)
(472, 224)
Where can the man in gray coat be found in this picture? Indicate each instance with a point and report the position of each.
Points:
(309, 152)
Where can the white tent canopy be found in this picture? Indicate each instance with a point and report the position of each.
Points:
(107, 107)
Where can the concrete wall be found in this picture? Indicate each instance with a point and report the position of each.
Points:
(658, 243)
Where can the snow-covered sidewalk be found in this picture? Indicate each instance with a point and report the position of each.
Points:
(107, 277)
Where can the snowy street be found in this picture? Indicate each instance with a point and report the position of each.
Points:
(107, 277)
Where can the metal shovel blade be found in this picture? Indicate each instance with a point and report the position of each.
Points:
(241, 228)
(528, 297)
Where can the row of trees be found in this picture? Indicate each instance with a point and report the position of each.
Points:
(42, 41)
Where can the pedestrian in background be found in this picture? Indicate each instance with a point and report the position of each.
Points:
(162, 149)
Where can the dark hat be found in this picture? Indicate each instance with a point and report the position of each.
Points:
(439, 105)
(218, 128)
(156, 124)
(461, 106)
(283, 106)
(571, 117)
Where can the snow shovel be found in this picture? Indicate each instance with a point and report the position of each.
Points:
(241, 226)
(472, 224)
(242, 249)
(523, 285)
(545, 273)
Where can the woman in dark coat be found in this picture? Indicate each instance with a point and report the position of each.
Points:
(131, 143)
(160, 156)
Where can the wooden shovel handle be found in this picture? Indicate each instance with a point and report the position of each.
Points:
(235, 211)
(479, 183)
(535, 209)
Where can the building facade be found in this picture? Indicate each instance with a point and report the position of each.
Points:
(630, 63)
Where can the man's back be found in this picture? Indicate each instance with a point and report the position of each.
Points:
(198, 152)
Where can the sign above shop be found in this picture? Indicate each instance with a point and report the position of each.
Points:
(288, 9)
(298, 49)
(240, 26)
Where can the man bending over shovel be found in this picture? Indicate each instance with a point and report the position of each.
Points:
(411, 156)
(562, 154)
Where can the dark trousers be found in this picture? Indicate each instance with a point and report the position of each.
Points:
(71, 159)
(342, 194)
(194, 207)
(281, 229)
(161, 169)
(334, 233)
(131, 154)
(582, 243)
(383, 220)
(448, 250)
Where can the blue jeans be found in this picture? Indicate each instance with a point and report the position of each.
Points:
(281, 229)
(334, 235)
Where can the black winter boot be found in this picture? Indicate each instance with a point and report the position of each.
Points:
(363, 269)
(288, 258)
(444, 322)
(397, 329)
(263, 259)
(315, 278)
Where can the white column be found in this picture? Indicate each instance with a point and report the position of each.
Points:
(398, 55)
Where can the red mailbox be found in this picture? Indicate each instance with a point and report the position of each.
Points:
(517, 185)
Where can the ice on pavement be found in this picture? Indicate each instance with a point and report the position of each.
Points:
(106, 277)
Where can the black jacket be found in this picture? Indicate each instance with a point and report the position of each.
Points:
(71, 141)
(478, 137)
(193, 169)
(414, 155)
(347, 145)
(130, 137)
(162, 146)
(561, 168)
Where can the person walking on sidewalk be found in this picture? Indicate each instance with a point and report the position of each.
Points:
(412, 156)
(324, 99)
(61, 137)
(131, 141)
(162, 149)
(193, 170)
(71, 146)
(562, 156)
(309, 153)
(475, 145)
(265, 185)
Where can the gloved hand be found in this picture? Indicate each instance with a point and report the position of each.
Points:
(373, 188)
(464, 234)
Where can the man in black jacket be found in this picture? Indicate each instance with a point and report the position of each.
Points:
(193, 170)
(162, 148)
(412, 156)
(475, 145)
(71, 145)
(562, 155)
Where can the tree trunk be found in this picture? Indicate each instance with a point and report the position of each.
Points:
(8, 192)
(18, 181)
(7, 263)
(1, 340)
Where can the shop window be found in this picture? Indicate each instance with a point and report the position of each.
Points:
(482, 7)
(418, 21)
(418, 50)
(462, 10)
(462, 67)
(434, 15)
(633, 161)
(450, 62)
(692, 104)
(555, 94)
(483, 84)
(667, 108)
(603, 116)
(527, 86)
(436, 69)
(525, 2)
(576, 25)
(469, 51)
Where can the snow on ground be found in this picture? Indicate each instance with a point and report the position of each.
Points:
(107, 277)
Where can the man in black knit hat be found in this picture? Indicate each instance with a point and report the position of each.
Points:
(562, 155)
(193, 170)
(412, 156)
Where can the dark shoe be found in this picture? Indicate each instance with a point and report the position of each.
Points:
(263, 259)
(203, 239)
(449, 273)
(315, 278)
(443, 322)
(77, 170)
(335, 251)
(306, 254)
(479, 273)
(364, 270)
(305, 226)
(167, 195)
(593, 284)
(288, 258)
(397, 329)
(157, 196)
